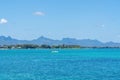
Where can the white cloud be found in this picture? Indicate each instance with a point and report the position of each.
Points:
(38, 13)
(3, 21)
(101, 26)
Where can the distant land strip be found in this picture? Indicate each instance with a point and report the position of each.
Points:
(51, 42)
(44, 46)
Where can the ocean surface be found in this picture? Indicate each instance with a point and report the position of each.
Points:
(60, 64)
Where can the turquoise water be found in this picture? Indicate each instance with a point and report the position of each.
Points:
(66, 64)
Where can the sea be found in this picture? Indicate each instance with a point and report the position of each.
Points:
(60, 64)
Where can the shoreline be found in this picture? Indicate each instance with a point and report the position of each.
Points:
(57, 48)
(45, 46)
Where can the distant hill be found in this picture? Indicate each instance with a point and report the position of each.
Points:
(68, 41)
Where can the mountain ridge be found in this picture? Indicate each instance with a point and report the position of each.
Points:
(68, 41)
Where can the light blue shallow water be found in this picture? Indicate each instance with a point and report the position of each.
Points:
(67, 64)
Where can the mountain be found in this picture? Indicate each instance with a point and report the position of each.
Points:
(68, 41)
(83, 42)
(44, 40)
(9, 41)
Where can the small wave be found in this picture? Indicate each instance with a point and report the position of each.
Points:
(54, 51)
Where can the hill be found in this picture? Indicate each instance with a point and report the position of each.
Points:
(68, 41)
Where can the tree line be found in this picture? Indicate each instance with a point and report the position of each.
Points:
(34, 46)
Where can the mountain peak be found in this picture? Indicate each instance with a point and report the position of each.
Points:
(5, 38)
(43, 38)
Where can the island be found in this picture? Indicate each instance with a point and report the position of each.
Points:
(45, 46)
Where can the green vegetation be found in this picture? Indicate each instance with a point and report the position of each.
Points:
(33, 46)
(44, 46)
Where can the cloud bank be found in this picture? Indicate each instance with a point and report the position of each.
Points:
(39, 13)
(3, 21)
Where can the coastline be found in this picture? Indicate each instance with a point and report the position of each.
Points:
(58, 48)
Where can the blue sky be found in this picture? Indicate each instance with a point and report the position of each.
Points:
(56, 19)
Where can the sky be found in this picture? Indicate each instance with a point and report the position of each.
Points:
(57, 19)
